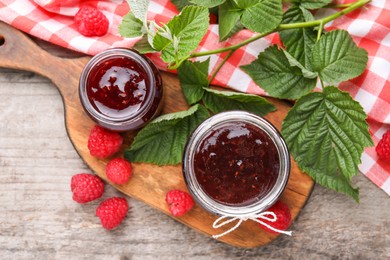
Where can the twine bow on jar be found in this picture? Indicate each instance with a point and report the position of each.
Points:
(266, 215)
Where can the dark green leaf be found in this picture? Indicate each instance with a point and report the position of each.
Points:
(208, 3)
(219, 101)
(298, 42)
(180, 4)
(229, 20)
(272, 72)
(336, 57)
(162, 141)
(312, 4)
(327, 133)
(193, 78)
(143, 46)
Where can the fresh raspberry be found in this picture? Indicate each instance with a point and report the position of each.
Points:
(180, 202)
(112, 211)
(86, 187)
(118, 170)
(213, 18)
(103, 143)
(383, 147)
(283, 217)
(91, 22)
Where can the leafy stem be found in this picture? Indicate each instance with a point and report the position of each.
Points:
(281, 27)
(220, 66)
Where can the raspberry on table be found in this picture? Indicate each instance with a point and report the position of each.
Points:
(86, 187)
(383, 147)
(118, 170)
(283, 215)
(103, 143)
(91, 22)
(180, 202)
(112, 211)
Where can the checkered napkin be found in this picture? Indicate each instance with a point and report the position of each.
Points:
(52, 20)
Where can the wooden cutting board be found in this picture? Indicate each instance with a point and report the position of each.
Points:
(149, 182)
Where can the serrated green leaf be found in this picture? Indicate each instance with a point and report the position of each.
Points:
(312, 4)
(193, 78)
(326, 133)
(337, 58)
(298, 42)
(261, 16)
(131, 26)
(143, 46)
(219, 101)
(139, 8)
(208, 3)
(182, 34)
(229, 20)
(272, 72)
(295, 63)
(162, 141)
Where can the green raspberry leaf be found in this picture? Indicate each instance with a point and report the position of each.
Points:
(131, 26)
(208, 3)
(143, 46)
(182, 34)
(229, 20)
(219, 101)
(337, 58)
(162, 141)
(312, 4)
(326, 133)
(139, 8)
(180, 4)
(298, 42)
(193, 78)
(272, 71)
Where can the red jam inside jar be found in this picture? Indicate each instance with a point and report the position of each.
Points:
(237, 164)
(120, 89)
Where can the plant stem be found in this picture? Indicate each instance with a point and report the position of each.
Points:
(281, 27)
(321, 27)
(220, 66)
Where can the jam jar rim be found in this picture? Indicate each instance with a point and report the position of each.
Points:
(108, 54)
(209, 203)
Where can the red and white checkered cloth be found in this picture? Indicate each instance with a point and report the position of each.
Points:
(52, 20)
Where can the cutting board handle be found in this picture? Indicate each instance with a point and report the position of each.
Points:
(18, 51)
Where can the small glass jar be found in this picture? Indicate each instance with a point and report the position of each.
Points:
(121, 89)
(236, 164)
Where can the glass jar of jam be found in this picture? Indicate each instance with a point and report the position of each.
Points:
(236, 164)
(121, 89)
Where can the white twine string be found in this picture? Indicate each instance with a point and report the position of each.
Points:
(257, 218)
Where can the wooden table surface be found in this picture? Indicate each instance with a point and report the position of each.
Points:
(39, 220)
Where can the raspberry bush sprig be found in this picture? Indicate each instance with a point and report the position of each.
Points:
(326, 132)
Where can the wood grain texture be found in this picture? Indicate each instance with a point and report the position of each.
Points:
(39, 219)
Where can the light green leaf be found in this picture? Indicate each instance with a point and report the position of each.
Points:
(312, 4)
(193, 78)
(143, 46)
(299, 42)
(336, 57)
(229, 20)
(208, 3)
(182, 34)
(272, 72)
(261, 16)
(131, 26)
(219, 101)
(162, 141)
(326, 132)
(139, 8)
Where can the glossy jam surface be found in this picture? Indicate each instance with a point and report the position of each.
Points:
(118, 87)
(236, 164)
